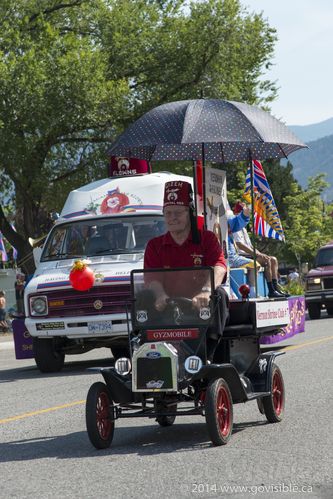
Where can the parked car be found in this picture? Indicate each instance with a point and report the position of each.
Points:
(319, 283)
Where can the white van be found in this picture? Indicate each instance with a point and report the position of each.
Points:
(108, 223)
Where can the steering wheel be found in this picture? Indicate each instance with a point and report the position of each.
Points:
(179, 305)
(179, 301)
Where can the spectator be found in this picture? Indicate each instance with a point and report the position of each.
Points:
(19, 290)
(293, 275)
(3, 322)
(270, 263)
(2, 305)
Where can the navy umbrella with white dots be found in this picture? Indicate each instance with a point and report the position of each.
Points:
(213, 130)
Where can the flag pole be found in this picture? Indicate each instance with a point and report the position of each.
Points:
(252, 220)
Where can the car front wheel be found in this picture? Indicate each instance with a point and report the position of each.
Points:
(314, 310)
(219, 411)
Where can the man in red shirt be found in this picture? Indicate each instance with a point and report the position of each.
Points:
(184, 246)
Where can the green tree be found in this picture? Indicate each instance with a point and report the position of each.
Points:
(74, 74)
(308, 224)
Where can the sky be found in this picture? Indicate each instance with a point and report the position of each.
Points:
(303, 66)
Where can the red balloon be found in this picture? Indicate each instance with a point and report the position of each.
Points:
(82, 279)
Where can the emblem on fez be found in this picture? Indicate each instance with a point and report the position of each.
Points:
(172, 195)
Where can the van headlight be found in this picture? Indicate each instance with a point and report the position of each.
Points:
(313, 283)
(38, 305)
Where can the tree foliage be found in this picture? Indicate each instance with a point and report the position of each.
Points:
(308, 222)
(74, 74)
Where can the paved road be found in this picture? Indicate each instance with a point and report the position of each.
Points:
(45, 451)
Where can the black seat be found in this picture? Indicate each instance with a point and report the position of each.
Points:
(242, 319)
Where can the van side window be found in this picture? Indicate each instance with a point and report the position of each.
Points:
(55, 245)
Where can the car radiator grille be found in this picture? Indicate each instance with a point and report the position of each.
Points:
(71, 303)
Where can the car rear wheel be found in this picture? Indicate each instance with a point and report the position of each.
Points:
(99, 422)
(219, 411)
(274, 403)
(314, 310)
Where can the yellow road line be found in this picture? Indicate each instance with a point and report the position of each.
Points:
(42, 411)
(80, 402)
(307, 343)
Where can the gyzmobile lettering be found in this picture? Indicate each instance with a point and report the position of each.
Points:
(180, 334)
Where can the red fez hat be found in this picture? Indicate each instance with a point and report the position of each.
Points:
(177, 193)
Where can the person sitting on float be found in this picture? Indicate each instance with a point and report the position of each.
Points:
(245, 250)
(236, 223)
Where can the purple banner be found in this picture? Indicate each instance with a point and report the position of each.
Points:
(22, 340)
(297, 321)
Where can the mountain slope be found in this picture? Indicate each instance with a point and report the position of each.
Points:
(314, 131)
(317, 159)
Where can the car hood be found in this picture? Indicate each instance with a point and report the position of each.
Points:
(321, 271)
(55, 275)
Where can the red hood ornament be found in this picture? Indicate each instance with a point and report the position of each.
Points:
(244, 290)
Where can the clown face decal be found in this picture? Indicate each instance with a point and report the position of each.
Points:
(114, 202)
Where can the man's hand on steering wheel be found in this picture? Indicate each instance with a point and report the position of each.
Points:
(202, 299)
(161, 302)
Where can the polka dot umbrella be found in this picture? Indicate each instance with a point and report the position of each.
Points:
(214, 130)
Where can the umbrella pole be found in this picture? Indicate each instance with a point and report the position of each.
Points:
(196, 187)
(204, 185)
(252, 220)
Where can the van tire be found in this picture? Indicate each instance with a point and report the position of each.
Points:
(48, 358)
(314, 310)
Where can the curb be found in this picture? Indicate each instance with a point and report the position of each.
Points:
(6, 345)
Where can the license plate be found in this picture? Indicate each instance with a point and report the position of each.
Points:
(102, 327)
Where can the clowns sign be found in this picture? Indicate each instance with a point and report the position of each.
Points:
(120, 166)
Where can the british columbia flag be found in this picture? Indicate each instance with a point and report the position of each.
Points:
(267, 221)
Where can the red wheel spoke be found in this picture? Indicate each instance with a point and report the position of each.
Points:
(223, 411)
(103, 422)
(277, 393)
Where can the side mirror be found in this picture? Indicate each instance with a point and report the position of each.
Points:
(37, 253)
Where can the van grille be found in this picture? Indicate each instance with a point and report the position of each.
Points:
(71, 303)
(328, 283)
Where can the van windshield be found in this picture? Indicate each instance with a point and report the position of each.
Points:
(324, 257)
(103, 236)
